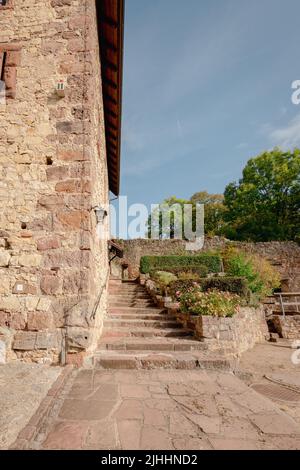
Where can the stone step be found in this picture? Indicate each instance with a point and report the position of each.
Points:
(120, 292)
(132, 323)
(144, 316)
(131, 304)
(152, 360)
(130, 300)
(135, 310)
(153, 344)
(125, 286)
(121, 287)
(115, 283)
(139, 295)
(145, 332)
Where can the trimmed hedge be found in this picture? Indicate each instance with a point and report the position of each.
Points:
(234, 285)
(200, 270)
(163, 263)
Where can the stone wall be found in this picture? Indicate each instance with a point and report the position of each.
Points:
(285, 256)
(287, 327)
(53, 267)
(232, 335)
(226, 335)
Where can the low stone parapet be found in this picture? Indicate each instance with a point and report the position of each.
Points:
(287, 327)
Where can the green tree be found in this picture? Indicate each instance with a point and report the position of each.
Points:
(213, 214)
(160, 215)
(265, 204)
(214, 211)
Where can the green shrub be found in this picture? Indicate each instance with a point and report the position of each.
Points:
(235, 285)
(198, 270)
(262, 278)
(188, 275)
(212, 262)
(164, 278)
(213, 302)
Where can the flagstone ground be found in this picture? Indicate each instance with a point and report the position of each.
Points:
(163, 409)
(22, 387)
(273, 360)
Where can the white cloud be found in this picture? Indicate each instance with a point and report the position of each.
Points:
(287, 137)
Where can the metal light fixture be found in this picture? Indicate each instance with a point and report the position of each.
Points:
(100, 213)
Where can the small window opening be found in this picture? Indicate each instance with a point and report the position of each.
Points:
(49, 161)
(23, 225)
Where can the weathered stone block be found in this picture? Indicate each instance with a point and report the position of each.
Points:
(76, 282)
(38, 321)
(4, 284)
(31, 303)
(79, 338)
(69, 186)
(29, 260)
(52, 202)
(24, 341)
(75, 219)
(50, 285)
(4, 258)
(48, 243)
(79, 315)
(71, 155)
(48, 340)
(10, 303)
(80, 170)
(68, 259)
(69, 127)
(55, 173)
(14, 320)
(44, 304)
(43, 223)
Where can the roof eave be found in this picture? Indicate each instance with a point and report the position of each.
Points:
(110, 14)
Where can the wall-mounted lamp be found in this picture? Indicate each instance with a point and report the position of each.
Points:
(100, 214)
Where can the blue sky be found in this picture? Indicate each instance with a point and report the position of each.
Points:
(207, 85)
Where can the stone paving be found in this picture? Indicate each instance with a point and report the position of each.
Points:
(164, 410)
(271, 363)
(22, 387)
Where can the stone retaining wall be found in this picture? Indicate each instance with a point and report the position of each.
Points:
(227, 335)
(234, 334)
(285, 256)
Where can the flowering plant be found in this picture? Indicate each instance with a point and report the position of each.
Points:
(212, 302)
(187, 287)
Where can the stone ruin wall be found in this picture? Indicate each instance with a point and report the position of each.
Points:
(53, 266)
(284, 256)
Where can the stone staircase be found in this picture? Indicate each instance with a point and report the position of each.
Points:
(139, 335)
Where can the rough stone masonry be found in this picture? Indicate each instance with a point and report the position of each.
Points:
(53, 171)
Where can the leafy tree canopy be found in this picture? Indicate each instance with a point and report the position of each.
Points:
(265, 204)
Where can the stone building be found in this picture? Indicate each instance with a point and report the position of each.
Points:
(60, 119)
